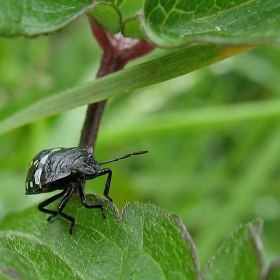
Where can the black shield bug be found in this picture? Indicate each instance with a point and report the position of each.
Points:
(63, 169)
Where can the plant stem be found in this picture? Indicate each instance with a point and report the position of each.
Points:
(117, 51)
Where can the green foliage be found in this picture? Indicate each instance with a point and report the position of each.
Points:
(164, 68)
(42, 17)
(213, 138)
(166, 24)
(107, 16)
(173, 24)
(239, 257)
(163, 19)
(144, 242)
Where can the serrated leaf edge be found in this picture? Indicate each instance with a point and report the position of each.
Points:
(189, 240)
(254, 228)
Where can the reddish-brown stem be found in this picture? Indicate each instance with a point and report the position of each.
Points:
(117, 51)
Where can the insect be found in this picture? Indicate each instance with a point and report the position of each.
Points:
(63, 169)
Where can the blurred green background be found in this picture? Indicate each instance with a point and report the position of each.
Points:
(214, 177)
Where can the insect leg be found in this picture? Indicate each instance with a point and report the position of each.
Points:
(45, 203)
(63, 204)
(85, 203)
(108, 181)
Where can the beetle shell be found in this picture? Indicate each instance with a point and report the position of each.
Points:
(55, 168)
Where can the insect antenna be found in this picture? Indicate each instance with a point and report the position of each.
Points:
(123, 157)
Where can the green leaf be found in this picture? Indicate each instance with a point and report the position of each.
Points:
(152, 72)
(132, 28)
(145, 243)
(33, 18)
(239, 257)
(107, 16)
(175, 24)
(273, 272)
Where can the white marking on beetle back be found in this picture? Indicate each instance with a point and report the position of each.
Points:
(56, 149)
(38, 172)
(37, 176)
(40, 166)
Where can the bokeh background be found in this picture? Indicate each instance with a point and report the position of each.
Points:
(214, 175)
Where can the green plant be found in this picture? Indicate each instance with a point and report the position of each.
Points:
(195, 35)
